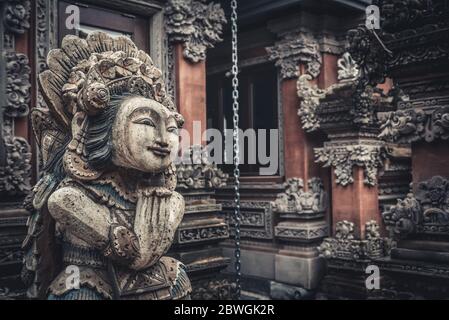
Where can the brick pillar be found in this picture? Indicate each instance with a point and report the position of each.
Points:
(298, 144)
(190, 91)
(356, 202)
(296, 147)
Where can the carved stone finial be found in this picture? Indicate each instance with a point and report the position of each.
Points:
(369, 56)
(195, 24)
(344, 157)
(310, 95)
(347, 68)
(292, 50)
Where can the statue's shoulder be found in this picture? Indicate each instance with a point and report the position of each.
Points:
(71, 196)
(177, 202)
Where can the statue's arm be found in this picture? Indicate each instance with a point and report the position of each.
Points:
(91, 222)
(155, 225)
(80, 215)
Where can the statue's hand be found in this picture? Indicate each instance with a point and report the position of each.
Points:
(158, 214)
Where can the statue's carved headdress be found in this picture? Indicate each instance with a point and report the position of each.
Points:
(81, 79)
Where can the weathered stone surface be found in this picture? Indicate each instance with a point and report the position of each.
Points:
(298, 271)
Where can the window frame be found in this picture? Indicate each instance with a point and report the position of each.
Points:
(245, 64)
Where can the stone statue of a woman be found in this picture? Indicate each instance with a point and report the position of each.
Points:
(105, 211)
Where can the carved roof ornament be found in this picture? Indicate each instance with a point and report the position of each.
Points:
(347, 68)
(367, 53)
(298, 201)
(196, 24)
(319, 104)
(16, 15)
(343, 158)
(404, 14)
(292, 50)
(196, 171)
(345, 246)
(425, 212)
(415, 124)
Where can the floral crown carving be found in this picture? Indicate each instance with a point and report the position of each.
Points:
(84, 74)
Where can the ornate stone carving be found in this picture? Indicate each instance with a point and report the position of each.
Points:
(298, 201)
(108, 139)
(15, 175)
(252, 226)
(191, 235)
(17, 85)
(303, 231)
(345, 246)
(222, 289)
(425, 212)
(411, 125)
(292, 50)
(369, 56)
(196, 171)
(196, 24)
(310, 95)
(405, 14)
(16, 15)
(347, 68)
(343, 157)
(16, 171)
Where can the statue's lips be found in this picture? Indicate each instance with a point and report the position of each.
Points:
(161, 152)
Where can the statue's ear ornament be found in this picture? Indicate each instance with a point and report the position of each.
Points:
(81, 79)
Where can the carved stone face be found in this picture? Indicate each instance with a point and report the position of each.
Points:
(144, 135)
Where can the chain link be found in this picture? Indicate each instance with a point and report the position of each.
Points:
(235, 108)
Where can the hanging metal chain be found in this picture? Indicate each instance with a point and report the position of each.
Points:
(235, 108)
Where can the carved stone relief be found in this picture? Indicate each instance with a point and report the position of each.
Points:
(298, 201)
(426, 211)
(15, 168)
(196, 171)
(310, 99)
(344, 156)
(221, 289)
(16, 15)
(292, 50)
(411, 125)
(256, 219)
(196, 24)
(345, 246)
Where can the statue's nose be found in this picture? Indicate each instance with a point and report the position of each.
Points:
(162, 143)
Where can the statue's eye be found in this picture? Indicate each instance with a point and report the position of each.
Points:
(172, 129)
(145, 121)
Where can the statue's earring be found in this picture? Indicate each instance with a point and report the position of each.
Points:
(75, 162)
